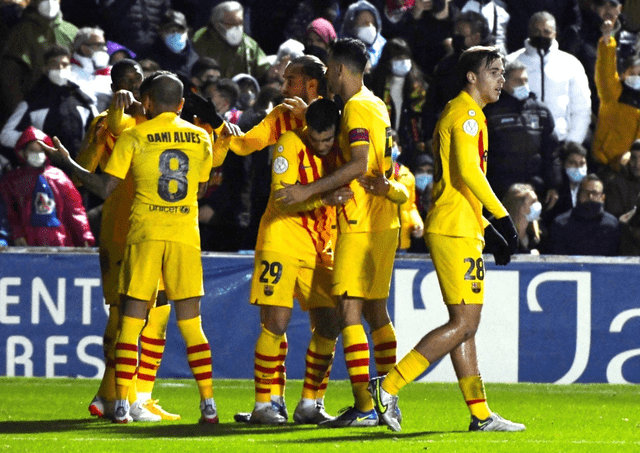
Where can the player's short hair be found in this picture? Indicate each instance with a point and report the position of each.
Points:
(322, 114)
(350, 52)
(56, 50)
(225, 7)
(120, 68)
(164, 88)
(473, 59)
(541, 16)
(313, 68)
(84, 36)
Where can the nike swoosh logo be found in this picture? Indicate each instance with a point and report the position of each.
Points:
(361, 419)
(483, 424)
(382, 407)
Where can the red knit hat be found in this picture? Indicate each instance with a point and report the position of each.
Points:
(30, 134)
(324, 29)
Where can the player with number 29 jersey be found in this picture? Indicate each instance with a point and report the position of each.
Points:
(168, 158)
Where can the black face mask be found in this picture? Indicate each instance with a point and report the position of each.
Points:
(541, 43)
(589, 209)
(457, 41)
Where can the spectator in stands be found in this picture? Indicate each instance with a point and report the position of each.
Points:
(287, 51)
(424, 188)
(320, 33)
(427, 28)
(55, 105)
(225, 40)
(10, 14)
(619, 117)
(496, 16)
(524, 208)
(362, 20)
(622, 199)
(574, 168)
(249, 89)
(469, 29)
(224, 94)
(5, 229)
(90, 65)
(172, 49)
(134, 23)
(309, 11)
(523, 144)
(557, 78)
(586, 229)
(22, 63)
(118, 52)
(400, 84)
(43, 206)
(566, 12)
(149, 66)
(204, 69)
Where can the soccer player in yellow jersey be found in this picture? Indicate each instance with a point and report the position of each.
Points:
(368, 226)
(125, 112)
(294, 258)
(170, 161)
(454, 233)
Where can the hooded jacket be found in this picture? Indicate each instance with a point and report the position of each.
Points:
(349, 29)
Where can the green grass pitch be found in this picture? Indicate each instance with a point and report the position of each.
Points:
(50, 415)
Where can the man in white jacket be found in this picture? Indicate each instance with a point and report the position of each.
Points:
(557, 78)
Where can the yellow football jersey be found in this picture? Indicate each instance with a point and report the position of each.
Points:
(460, 189)
(305, 231)
(365, 121)
(168, 158)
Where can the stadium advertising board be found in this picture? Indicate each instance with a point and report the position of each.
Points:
(544, 320)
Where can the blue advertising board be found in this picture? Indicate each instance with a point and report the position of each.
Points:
(545, 319)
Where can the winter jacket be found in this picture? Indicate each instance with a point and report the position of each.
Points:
(348, 28)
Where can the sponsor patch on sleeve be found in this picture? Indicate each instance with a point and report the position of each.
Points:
(358, 135)
(470, 127)
(280, 165)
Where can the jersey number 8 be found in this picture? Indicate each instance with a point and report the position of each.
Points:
(173, 183)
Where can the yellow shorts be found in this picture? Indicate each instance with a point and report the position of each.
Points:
(179, 264)
(278, 278)
(459, 266)
(363, 264)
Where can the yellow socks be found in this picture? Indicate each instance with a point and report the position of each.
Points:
(127, 354)
(198, 355)
(317, 363)
(267, 359)
(152, 343)
(356, 353)
(473, 391)
(384, 348)
(407, 370)
(279, 380)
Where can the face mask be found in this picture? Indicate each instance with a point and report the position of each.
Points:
(534, 212)
(540, 42)
(176, 42)
(233, 35)
(395, 153)
(100, 59)
(36, 159)
(367, 34)
(457, 41)
(521, 93)
(49, 8)
(633, 82)
(400, 68)
(59, 77)
(589, 209)
(576, 174)
(246, 100)
(423, 180)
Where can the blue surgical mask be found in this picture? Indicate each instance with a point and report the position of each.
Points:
(534, 212)
(176, 42)
(576, 174)
(395, 152)
(401, 68)
(423, 180)
(522, 92)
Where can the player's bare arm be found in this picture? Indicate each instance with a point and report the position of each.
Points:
(100, 184)
(379, 185)
(353, 169)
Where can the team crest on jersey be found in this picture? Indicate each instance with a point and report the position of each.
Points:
(44, 204)
(472, 113)
(268, 290)
(280, 165)
(476, 287)
(280, 148)
(470, 127)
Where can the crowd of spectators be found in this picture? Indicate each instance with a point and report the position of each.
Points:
(564, 152)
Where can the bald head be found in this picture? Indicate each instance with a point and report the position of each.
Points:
(164, 91)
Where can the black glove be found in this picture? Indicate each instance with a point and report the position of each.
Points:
(495, 243)
(508, 231)
(203, 108)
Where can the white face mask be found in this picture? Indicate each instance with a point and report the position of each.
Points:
(401, 68)
(633, 82)
(100, 59)
(233, 35)
(59, 77)
(534, 212)
(367, 34)
(522, 92)
(36, 159)
(49, 8)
